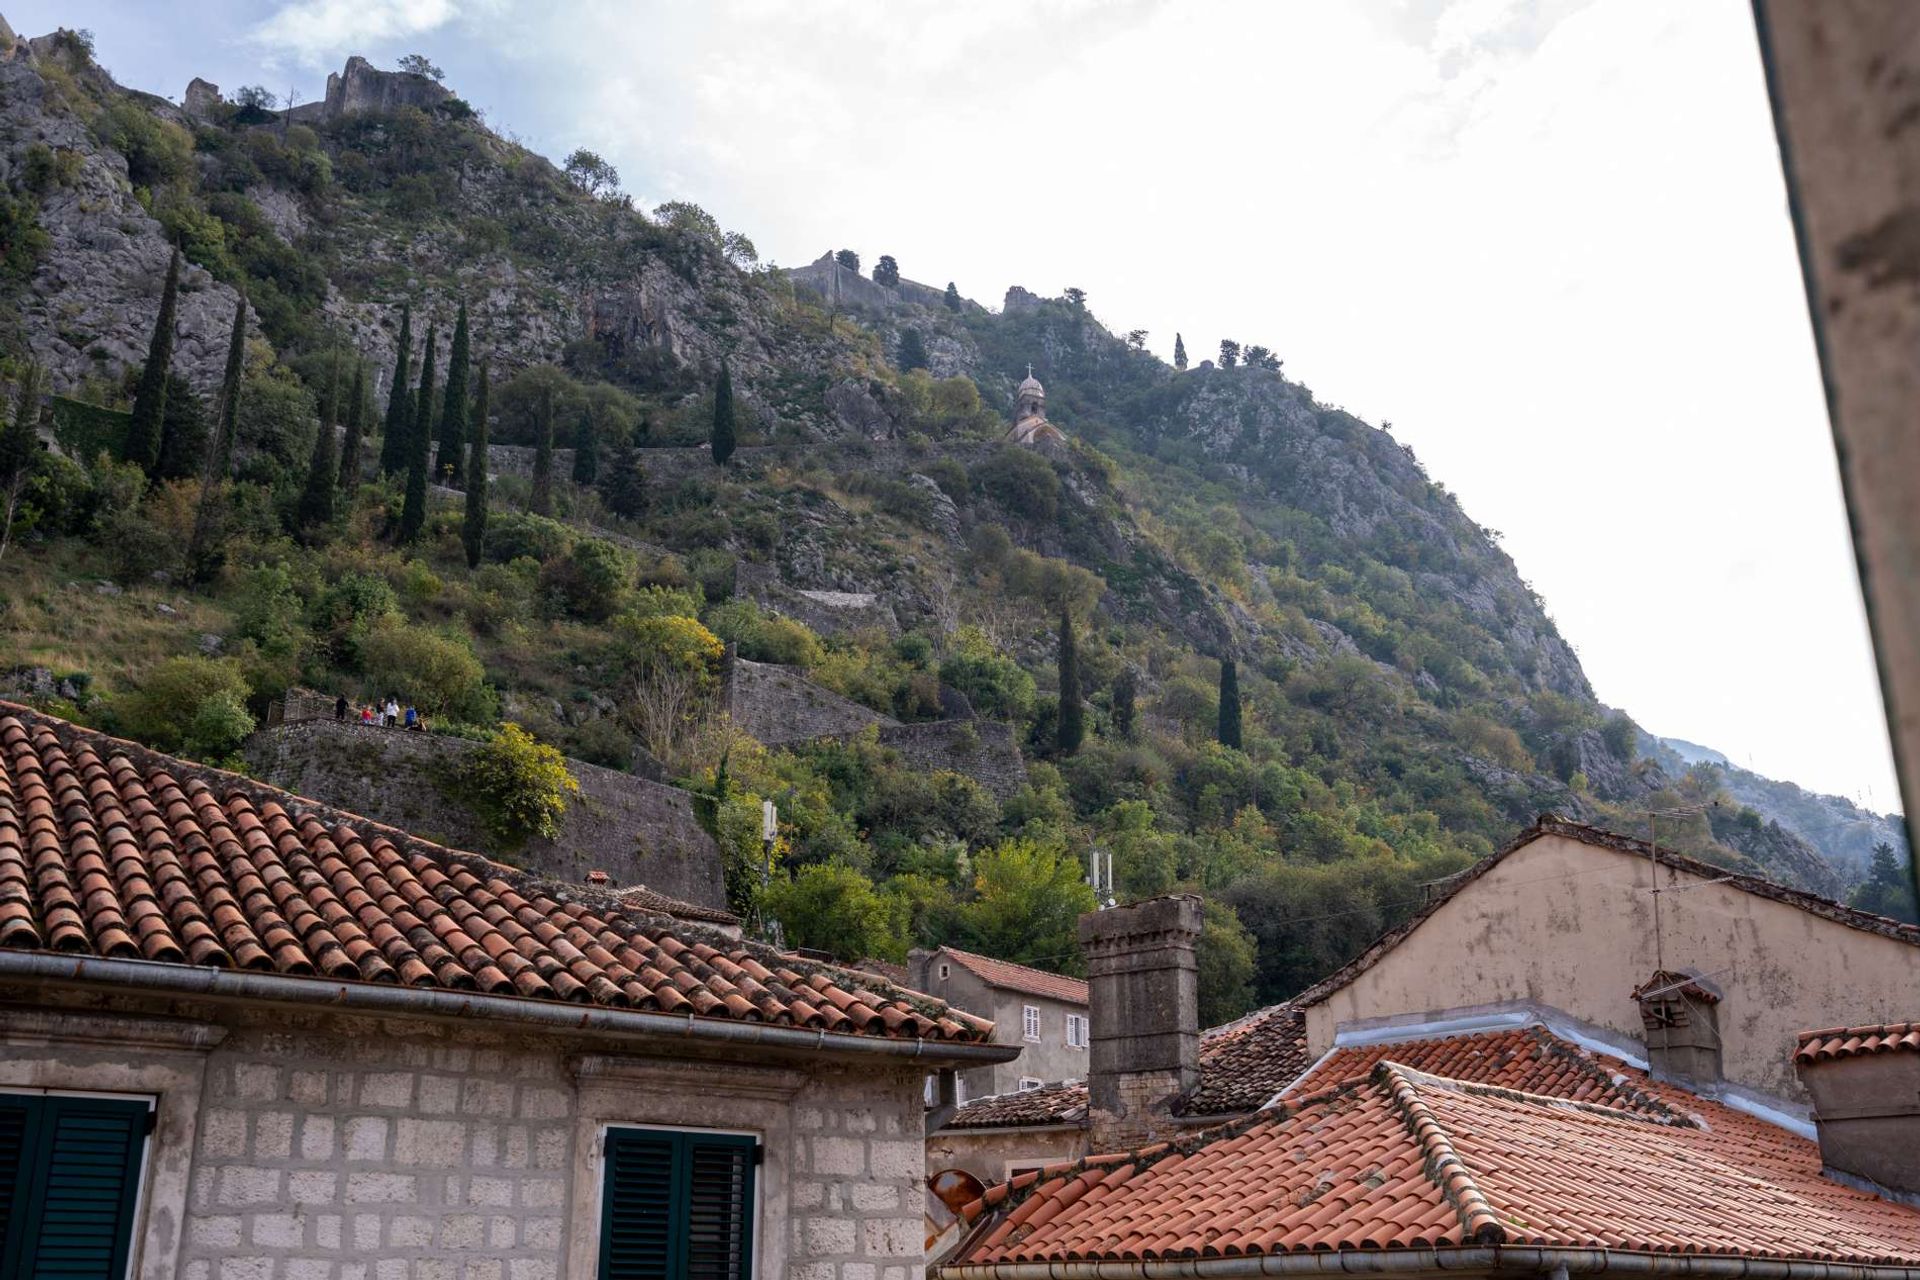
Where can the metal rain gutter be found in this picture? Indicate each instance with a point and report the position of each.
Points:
(382, 998)
(1433, 1262)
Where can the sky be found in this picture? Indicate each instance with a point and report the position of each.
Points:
(1547, 240)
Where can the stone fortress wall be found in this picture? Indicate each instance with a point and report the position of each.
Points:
(636, 830)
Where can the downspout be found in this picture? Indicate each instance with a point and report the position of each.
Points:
(1556, 1263)
(382, 998)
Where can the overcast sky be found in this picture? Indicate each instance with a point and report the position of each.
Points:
(1546, 239)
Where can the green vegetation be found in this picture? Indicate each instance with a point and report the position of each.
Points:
(520, 786)
(145, 430)
(722, 438)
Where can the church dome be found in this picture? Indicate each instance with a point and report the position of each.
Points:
(1031, 383)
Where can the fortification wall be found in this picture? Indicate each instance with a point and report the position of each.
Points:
(637, 831)
(777, 704)
(983, 750)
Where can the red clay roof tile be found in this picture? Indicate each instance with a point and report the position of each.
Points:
(109, 849)
(1850, 1042)
(1018, 977)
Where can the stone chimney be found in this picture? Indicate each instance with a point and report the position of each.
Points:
(1144, 993)
(1680, 1014)
(1865, 1085)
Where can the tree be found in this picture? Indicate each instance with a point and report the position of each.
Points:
(1028, 898)
(1071, 726)
(520, 786)
(473, 530)
(19, 453)
(436, 669)
(450, 461)
(393, 449)
(722, 438)
(1077, 298)
(586, 449)
(413, 512)
(1125, 690)
(1229, 705)
(833, 908)
(142, 445)
(1223, 954)
(255, 97)
(669, 663)
(1136, 339)
(541, 500)
(416, 64)
(183, 434)
(220, 457)
(737, 249)
(848, 259)
(1179, 353)
(1258, 357)
(886, 271)
(356, 416)
(952, 298)
(591, 174)
(1888, 888)
(625, 485)
(913, 350)
(315, 511)
(1229, 353)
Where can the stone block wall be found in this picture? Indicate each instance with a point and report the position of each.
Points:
(983, 750)
(1141, 1112)
(636, 830)
(777, 704)
(342, 1157)
(859, 1165)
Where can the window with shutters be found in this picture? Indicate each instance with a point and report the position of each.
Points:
(69, 1180)
(677, 1206)
(1030, 1021)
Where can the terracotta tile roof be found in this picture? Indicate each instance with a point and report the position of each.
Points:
(1551, 825)
(641, 898)
(1665, 982)
(1528, 1059)
(1244, 1063)
(1400, 1158)
(1047, 1105)
(895, 973)
(1018, 977)
(108, 849)
(1852, 1042)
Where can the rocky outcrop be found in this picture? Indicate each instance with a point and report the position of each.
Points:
(360, 86)
(1777, 852)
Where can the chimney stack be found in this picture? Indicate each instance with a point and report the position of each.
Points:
(1680, 1015)
(1143, 988)
(1865, 1084)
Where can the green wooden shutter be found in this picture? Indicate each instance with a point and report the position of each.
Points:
(76, 1181)
(16, 1131)
(719, 1207)
(677, 1206)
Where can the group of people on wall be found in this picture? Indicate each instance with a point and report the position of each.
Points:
(384, 713)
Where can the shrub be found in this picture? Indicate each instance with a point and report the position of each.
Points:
(346, 613)
(435, 671)
(186, 704)
(994, 683)
(763, 637)
(1022, 482)
(590, 581)
(520, 786)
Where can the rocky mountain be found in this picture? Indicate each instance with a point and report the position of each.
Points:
(1406, 699)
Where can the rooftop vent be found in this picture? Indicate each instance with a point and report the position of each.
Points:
(599, 878)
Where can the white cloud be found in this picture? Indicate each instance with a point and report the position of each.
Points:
(314, 30)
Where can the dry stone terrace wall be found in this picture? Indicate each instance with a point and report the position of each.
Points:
(983, 750)
(777, 705)
(636, 830)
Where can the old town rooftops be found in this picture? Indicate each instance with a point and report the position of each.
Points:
(1543, 1145)
(112, 852)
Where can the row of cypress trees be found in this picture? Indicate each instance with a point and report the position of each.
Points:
(455, 453)
(1070, 725)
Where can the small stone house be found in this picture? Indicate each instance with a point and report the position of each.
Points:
(1042, 1015)
(248, 1037)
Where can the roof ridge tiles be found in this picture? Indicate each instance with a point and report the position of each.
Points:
(1445, 1167)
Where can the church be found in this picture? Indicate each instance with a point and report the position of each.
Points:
(1030, 425)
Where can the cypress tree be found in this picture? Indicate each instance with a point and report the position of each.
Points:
(1071, 724)
(453, 416)
(393, 448)
(1123, 697)
(413, 511)
(315, 511)
(541, 503)
(220, 457)
(1229, 705)
(350, 442)
(913, 350)
(474, 531)
(142, 445)
(19, 452)
(625, 487)
(183, 433)
(1179, 352)
(586, 450)
(722, 438)
(953, 297)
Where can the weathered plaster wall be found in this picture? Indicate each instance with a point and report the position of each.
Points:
(1570, 926)
(308, 1146)
(1048, 1060)
(636, 830)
